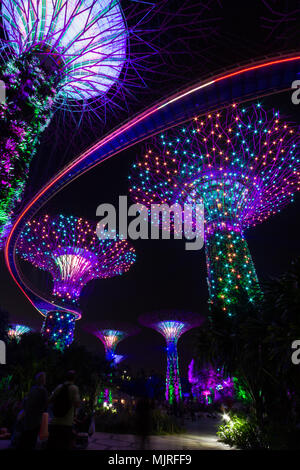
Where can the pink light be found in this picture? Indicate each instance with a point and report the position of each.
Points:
(116, 133)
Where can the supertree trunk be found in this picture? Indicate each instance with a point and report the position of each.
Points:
(30, 93)
(58, 328)
(173, 384)
(231, 271)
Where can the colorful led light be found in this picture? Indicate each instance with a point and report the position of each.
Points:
(172, 325)
(70, 250)
(70, 54)
(95, 152)
(58, 328)
(16, 331)
(208, 384)
(110, 339)
(243, 164)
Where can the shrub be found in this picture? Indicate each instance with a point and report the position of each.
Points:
(242, 432)
(124, 422)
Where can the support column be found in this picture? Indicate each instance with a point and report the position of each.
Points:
(173, 384)
(58, 328)
(230, 269)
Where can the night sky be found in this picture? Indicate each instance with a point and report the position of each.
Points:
(165, 275)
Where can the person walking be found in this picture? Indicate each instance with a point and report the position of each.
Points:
(35, 405)
(65, 399)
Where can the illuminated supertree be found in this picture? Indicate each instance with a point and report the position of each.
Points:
(58, 325)
(15, 331)
(58, 54)
(172, 325)
(243, 164)
(70, 250)
(110, 334)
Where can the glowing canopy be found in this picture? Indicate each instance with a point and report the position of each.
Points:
(70, 250)
(87, 38)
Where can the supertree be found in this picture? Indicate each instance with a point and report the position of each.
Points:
(15, 331)
(59, 323)
(70, 250)
(73, 55)
(172, 324)
(110, 334)
(243, 164)
(56, 54)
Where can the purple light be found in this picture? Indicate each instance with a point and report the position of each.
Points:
(58, 328)
(15, 331)
(243, 164)
(110, 334)
(70, 250)
(86, 39)
(110, 339)
(209, 382)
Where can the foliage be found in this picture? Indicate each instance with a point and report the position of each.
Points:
(30, 356)
(26, 113)
(124, 422)
(240, 391)
(243, 433)
(255, 346)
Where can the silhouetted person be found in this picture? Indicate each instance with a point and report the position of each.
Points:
(34, 406)
(143, 420)
(65, 399)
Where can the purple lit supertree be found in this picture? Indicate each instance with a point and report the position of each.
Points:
(56, 54)
(110, 334)
(73, 55)
(242, 163)
(70, 250)
(172, 324)
(209, 384)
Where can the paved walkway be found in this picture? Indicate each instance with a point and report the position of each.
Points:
(200, 435)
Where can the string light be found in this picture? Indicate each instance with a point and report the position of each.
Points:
(16, 331)
(244, 173)
(58, 328)
(70, 250)
(73, 55)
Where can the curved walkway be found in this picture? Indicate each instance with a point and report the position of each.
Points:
(200, 435)
(257, 78)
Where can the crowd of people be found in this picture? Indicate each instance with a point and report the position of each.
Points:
(60, 421)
